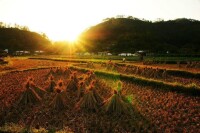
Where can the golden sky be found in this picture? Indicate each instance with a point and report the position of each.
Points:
(66, 19)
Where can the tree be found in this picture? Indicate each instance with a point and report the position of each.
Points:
(130, 34)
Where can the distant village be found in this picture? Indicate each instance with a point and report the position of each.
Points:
(40, 52)
(110, 54)
(20, 53)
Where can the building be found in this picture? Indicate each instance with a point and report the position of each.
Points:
(126, 54)
(104, 53)
(22, 53)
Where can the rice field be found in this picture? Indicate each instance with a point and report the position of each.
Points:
(57, 96)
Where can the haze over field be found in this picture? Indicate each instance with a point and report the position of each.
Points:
(65, 20)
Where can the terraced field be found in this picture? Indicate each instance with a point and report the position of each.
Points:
(46, 95)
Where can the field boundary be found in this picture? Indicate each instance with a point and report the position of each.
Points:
(190, 89)
(68, 60)
(22, 70)
(173, 72)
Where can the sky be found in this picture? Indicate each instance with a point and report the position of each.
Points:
(66, 19)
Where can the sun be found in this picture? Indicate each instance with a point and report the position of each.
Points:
(62, 30)
(63, 35)
(72, 38)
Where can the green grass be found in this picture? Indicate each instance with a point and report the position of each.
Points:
(189, 90)
(69, 60)
(171, 59)
(119, 58)
(174, 72)
(185, 74)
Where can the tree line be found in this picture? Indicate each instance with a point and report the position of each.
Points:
(116, 35)
(20, 38)
(129, 34)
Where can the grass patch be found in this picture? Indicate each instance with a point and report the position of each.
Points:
(173, 72)
(190, 89)
(69, 60)
(184, 74)
(178, 73)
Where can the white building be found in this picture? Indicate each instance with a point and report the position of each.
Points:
(126, 54)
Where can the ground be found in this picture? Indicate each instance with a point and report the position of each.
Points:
(155, 108)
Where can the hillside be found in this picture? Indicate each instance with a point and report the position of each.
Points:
(132, 34)
(15, 39)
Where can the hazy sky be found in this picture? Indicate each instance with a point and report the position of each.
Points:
(65, 19)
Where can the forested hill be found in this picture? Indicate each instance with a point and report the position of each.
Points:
(15, 39)
(132, 34)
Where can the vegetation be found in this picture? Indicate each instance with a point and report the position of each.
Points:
(92, 93)
(180, 36)
(58, 102)
(117, 104)
(90, 100)
(164, 38)
(19, 38)
(190, 89)
(29, 96)
(103, 100)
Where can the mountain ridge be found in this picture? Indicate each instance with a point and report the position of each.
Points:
(132, 34)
